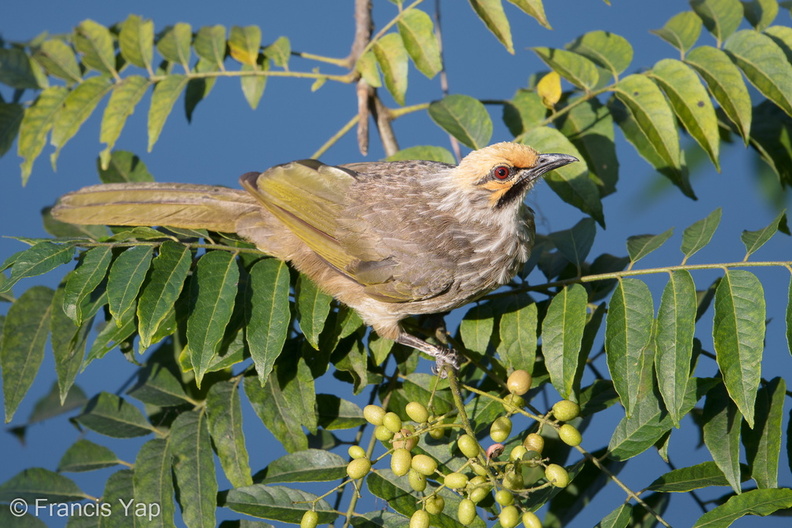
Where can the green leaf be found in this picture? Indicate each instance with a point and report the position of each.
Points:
(608, 50)
(726, 84)
(763, 442)
(39, 483)
(11, 115)
(41, 258)
(158, 386)
(524, 111)
(628, 333)
(118, 490)
(424, 152)
(244, 44)
(69, 340)
(84, 455)
(676, 324)
(175, 44)
(689, 478)
(789, 317)
(278, 503)
(112, 416)
(337, 413)
(225, 427)
(760, 13)
(210, 44)
(313, 307)
(681, 31)
(268, 324)
(36, 123)
(572, 66)
(168, 273)
(24, 335)
(476, 328)
(311, 465)
(771, 139)
(84, 282)
(58, 59)
(126, 95)
(94, 41)
(463, 117)
(124, 281)
(760, 502)
(575, 243)
(77, 107)
(491, 13)
(517, 327)
(699, 234)
(280, 52)
(253, 85)
(213, 289)
(589, 126)
(533, 8)
(136, 41)
(417, 33)
(153, 481)
(720, 17)
(618, 518)
(653, 116)
(392, 58)
(690, 102)
(109, 337)
(738, 334)
(638, 246)
(765, 65)
(124, 167)
(754, 240)
(162, 100)
(572, 182)
(194, 468)
(366, 66)
(562, 334)
(721, 434)
(16, 69)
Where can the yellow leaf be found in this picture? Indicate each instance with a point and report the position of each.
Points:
(549, 89)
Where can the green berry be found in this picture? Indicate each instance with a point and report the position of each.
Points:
(517, 453)
(500, 429)
(468, 445)
(417, 412)
(434, 504)
(358, 468)
(534, 442)
(570, 435)
(392, 421)
(382, 433)
(309, 519)
(557, 476)
(530, 520)
(513, 480)
(566, 410)
(356, 451)
(456, 480)
(400, 462)
(478, 489)
(466, 512)
(373, 414)
(416, 480)
(509, 517)
(512, 403)
(419, 519)
(437, 432)
(424, 464)
(519, 382)
(504, 497)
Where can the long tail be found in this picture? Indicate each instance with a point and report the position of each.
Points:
(157, 204)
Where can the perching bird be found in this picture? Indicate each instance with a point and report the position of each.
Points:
(389, 239)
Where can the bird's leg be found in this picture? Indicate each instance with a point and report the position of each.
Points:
(444, 356)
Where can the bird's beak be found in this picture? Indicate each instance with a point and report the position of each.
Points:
(546, 163)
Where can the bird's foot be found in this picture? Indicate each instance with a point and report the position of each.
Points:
(444, 357)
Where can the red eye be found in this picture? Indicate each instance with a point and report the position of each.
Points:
(501, 172)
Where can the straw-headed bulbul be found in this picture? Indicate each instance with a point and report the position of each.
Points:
(389, 239)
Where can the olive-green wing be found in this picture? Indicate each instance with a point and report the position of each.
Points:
(308, 197)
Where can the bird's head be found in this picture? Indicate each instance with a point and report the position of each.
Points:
(504, 172)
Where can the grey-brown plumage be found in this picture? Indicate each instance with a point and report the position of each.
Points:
(389, 239)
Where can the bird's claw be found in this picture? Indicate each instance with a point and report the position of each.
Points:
(445, 357)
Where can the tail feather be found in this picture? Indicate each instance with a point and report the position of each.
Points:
(185, 206)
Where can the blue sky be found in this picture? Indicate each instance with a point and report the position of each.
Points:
(227, 139)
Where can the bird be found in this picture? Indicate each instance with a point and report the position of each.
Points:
(389, 239)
